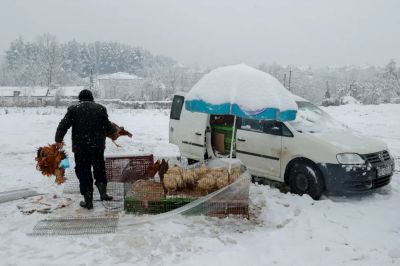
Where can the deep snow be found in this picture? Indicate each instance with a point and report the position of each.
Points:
(284, 229)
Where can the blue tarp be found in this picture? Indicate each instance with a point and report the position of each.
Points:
(234, 109)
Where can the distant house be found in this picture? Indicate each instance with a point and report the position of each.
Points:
(120, 85)
(71, 92)
(37, 96)
(24, 96)
(66, 92)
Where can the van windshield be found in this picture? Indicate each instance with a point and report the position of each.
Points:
(312, 119)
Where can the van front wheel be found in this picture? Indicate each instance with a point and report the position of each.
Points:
(305, 178)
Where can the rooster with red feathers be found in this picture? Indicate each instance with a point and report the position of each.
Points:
(48, 162)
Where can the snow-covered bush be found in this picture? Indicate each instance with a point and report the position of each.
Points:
(395, 100)
(348, 100)
(330, 102)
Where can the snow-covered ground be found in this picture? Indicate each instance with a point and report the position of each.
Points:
(284, 229)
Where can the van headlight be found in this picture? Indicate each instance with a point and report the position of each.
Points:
(350, 158)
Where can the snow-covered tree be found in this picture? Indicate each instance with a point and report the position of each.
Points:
(46, 61)
(50, 57)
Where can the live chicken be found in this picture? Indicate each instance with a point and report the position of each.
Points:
(173, 180)
(207, 183)
(189, 178)
(120, 131)
(222, 179)
(153, 169)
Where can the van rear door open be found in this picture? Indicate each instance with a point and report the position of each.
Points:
(174, 118)
(187, 130)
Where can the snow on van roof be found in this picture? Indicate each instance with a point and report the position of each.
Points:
(247, 86)
(295, 97)
(298, 98)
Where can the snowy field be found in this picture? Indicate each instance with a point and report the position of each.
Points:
(284, 229)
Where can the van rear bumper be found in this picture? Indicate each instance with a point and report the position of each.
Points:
(351, 179)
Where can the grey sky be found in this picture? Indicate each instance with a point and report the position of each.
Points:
(212, 32)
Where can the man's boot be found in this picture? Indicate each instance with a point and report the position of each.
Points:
(88, 203)
(102, 187)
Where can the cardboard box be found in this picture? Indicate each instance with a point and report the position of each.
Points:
(218, 142)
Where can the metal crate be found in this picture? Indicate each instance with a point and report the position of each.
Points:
(150, 197)
(127, 169)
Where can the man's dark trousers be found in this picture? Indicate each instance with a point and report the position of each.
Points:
(85, 159)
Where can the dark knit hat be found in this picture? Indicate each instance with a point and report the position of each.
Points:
(86, 95)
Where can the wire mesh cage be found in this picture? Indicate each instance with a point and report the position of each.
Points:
(137, 189)
(232, 200)
(121, 172)
(127, 169)
(200, 189)
(183, 185)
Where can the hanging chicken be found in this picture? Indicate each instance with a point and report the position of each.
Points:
(48, 161)
(120, 132)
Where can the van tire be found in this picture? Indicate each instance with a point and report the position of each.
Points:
(305, 178)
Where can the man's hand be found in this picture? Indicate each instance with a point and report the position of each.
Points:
(59, 145)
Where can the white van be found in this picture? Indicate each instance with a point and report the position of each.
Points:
(313, 154)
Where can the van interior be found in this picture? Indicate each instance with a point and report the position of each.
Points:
(221, 134)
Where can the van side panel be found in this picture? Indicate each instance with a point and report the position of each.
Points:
(260, 152)
(303, 145)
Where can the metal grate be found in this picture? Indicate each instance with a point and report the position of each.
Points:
(380, 182)
(71, 185)
(117, 190)
(364, 185)
(377, 157)
(76, 226)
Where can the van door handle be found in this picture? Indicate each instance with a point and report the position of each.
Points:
(242, 140)
(198, 134)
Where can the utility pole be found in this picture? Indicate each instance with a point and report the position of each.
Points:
(284, 80)
(91, 79)
(327, 93)
(290, 77)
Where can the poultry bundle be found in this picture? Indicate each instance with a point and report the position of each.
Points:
(48, 162)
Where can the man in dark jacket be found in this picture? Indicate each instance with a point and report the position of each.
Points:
(90, 126)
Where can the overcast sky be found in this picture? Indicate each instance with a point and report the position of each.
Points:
(212, 32)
